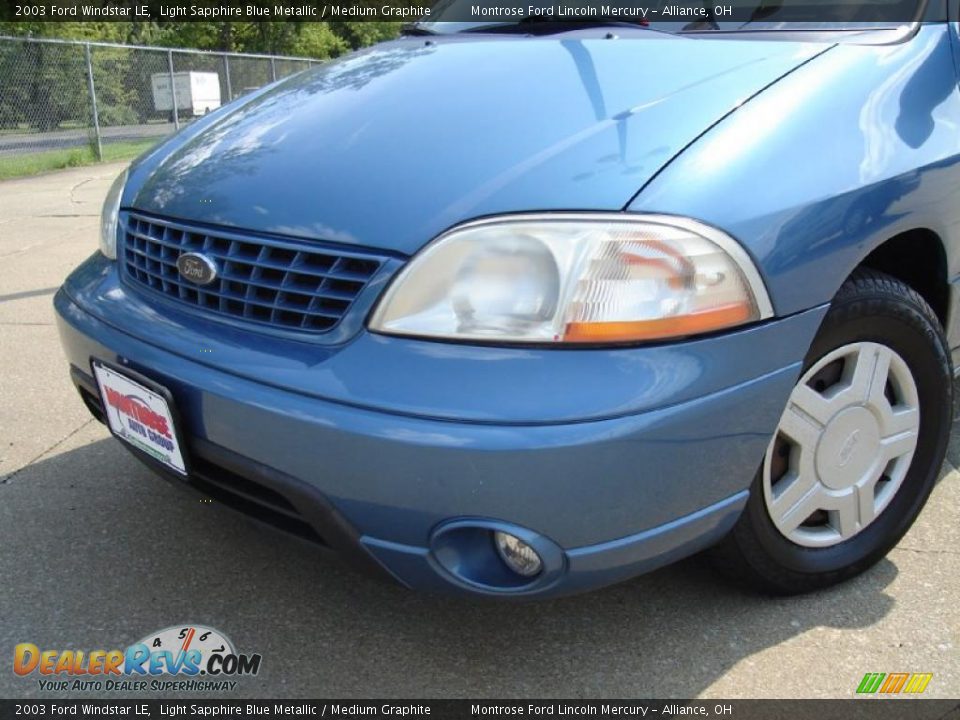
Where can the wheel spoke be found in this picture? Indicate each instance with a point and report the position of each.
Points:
(795, 503)
(867, 381)
(893, 446)
(900, 420)
(866, 502)
(800, 426)
(845, 517)
(813, 404)
(881, 372)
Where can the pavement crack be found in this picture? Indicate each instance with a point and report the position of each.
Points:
(68, 215)
(7, 478)
(26, 324)
(77, 187)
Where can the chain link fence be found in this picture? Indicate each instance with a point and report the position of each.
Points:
(74, 102)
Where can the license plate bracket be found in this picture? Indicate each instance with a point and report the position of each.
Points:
(141, 413)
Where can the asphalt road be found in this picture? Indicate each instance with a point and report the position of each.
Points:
(95, 553)
(24, 143)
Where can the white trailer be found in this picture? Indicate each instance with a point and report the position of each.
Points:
(197, 92)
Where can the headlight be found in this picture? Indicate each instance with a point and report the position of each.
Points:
(109, 217)
(574, 278)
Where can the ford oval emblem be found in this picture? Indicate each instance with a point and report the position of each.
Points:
(197, 268)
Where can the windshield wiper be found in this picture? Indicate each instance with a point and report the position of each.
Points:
(530, 25)
(416, 29)
(538, 25)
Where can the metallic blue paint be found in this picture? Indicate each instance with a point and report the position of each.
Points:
(610, 460)
(846, 152)
(393, 145)
(398, 477)
(450, 381)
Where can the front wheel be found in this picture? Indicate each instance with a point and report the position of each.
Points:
(858, 447)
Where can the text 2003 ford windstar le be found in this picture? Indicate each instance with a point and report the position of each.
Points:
(526, 308)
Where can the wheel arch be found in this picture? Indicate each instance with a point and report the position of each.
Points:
(918, 258)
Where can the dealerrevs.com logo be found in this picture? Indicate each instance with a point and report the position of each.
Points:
(181, 657)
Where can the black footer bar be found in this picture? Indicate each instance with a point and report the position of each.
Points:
(873, 708)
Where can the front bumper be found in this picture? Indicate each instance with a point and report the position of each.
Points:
(603, 497)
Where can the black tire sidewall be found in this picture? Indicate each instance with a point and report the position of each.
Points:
(907, 327)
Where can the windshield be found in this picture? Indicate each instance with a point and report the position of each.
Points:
(456, 16)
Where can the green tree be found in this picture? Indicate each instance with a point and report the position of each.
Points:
(45, 85)
(304, 39)
(363, 33)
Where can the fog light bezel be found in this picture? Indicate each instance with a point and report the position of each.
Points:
(464, 551)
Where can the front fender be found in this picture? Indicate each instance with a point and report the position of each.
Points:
(854, 147)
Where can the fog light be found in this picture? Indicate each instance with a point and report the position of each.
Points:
(519, 557)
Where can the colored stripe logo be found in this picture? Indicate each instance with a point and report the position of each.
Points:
(894, 683)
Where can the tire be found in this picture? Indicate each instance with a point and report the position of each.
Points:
(873, 316)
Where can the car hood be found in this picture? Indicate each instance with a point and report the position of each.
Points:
(388, 147)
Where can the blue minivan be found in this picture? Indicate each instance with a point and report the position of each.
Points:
(520, 308)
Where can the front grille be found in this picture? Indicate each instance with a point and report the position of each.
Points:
(287, 284)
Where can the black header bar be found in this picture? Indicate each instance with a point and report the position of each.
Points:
(711, 14)
(573, 709)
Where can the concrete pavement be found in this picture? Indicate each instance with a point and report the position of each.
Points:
(96, 553)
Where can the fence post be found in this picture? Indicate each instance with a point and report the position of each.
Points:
(226, 70)
(173, 91)
(93, 101)
(273, 69)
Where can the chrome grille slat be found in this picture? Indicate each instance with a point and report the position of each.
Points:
(281, 283)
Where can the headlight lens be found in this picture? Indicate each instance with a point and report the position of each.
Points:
(109, 217)
(603, 278)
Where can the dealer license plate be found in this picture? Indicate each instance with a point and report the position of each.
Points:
(140, 415)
